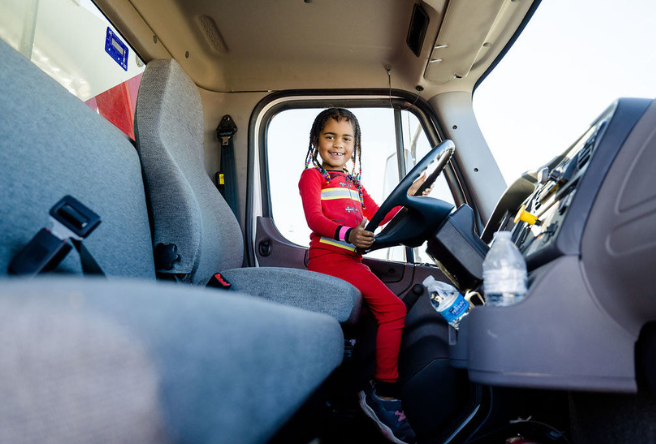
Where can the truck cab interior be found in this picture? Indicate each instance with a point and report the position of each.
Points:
(153, 262)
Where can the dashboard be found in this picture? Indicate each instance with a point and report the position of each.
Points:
(586, 225)
(549, 222)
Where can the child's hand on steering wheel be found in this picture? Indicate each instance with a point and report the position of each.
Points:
(417, 184)
(360, 237)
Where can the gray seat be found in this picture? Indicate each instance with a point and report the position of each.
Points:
(87, 360)
(189, 212)
(127, 359)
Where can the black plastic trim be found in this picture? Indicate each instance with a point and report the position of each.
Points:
(625, 117)
(417, 29)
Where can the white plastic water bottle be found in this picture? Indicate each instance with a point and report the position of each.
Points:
(504, 272)
(447, 301)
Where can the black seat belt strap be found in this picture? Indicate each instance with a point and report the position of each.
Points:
(226, 178)
(89, 264)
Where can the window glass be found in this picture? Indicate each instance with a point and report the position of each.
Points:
(73, 42)
(417, 146)
(570, 63)
(287, 144)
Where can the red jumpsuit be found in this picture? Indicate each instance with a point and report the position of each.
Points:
(328, 208)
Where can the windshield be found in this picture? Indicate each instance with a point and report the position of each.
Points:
(571, 62)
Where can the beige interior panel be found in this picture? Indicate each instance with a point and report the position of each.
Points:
(321, 43)
(133, 27)
(453, 55)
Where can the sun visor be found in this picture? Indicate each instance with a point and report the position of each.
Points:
(461, 38)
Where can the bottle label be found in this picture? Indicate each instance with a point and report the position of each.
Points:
(508, 280)
(456, 310)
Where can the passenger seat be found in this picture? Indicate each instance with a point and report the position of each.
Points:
(127, 358)
(190, 213)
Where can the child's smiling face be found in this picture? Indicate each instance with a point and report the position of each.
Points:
(336, 143)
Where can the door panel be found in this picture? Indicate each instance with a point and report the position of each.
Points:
(273, 250)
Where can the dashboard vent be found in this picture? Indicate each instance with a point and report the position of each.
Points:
(585, 153)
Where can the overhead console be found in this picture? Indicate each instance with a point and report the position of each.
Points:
(587, 229)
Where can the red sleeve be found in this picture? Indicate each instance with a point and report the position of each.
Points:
(310, 189)
(370, 208)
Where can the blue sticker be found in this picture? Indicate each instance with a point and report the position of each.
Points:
(117, 49)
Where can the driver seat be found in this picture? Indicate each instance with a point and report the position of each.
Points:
(188, 211)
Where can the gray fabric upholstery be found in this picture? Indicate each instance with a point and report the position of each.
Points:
(112, 360)
(51, 144)
(87, 360)
(187, 209)
(299, 288)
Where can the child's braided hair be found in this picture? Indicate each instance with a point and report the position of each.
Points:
(312, 156)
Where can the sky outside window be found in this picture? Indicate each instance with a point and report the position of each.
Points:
(573, 60)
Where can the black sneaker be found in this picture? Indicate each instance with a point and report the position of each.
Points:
(389, 417)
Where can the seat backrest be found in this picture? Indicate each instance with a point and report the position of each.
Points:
(51, 145)
(187, 209)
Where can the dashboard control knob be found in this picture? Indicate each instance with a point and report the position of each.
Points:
(525, 216)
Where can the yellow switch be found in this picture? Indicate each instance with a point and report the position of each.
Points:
(525, 216)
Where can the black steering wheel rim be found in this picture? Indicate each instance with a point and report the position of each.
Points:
(421, 209)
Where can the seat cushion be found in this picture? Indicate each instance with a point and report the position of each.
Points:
(300, 288)
(92, 360)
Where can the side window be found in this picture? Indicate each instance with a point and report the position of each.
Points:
(416, 146)
(288, 142)
(73, 43)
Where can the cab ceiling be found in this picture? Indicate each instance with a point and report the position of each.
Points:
(266, 45)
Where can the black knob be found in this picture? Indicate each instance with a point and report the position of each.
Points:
(265, 248)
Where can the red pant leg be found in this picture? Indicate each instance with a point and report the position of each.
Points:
(388, 310)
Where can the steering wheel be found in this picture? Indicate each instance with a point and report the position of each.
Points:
(421, 216)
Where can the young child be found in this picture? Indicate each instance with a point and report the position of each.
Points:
(336, 208)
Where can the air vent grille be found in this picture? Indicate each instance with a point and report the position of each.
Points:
(585, 153)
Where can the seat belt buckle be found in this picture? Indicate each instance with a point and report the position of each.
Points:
(72, 219)
(69, 219)
(218, 281)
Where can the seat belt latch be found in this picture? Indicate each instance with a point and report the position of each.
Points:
(218, 281)
(69, 219)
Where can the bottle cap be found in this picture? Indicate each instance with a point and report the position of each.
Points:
(429, 280)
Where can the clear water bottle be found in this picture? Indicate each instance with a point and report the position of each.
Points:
(504, 272)
(447, 301)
